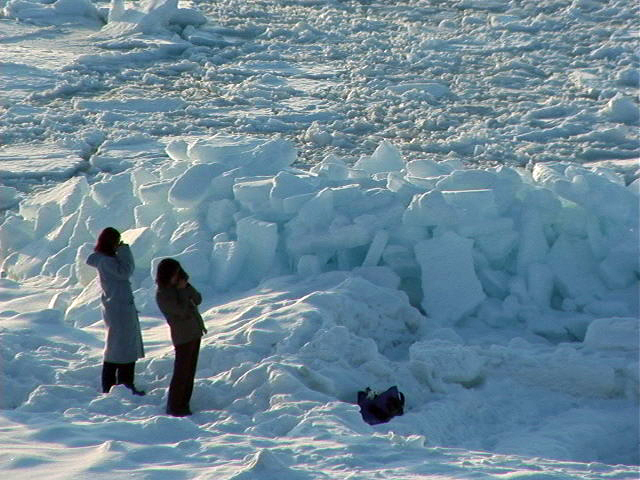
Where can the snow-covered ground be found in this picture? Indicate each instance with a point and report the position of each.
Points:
(441, 196)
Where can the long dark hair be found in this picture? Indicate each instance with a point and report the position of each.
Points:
(108, 241)
(167, 268)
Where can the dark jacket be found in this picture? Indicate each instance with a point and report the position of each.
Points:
(180, 308)
(381, 407)
(124, 339)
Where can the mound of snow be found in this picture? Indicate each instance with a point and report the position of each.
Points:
(154, 17)
(58, 12)
(613, 334)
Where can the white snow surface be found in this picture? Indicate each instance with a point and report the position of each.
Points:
(441, 196)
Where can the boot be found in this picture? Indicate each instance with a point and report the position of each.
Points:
(135, 391)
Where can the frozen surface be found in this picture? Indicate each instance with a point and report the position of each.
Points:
(29, 161)
(441, 196)
(559, 79)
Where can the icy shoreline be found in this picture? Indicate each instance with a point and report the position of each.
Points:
(315, 281)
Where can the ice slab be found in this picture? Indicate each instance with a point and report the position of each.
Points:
(39, 161)
(219, 215)
(68, 195)
(112, 187)
(9, 197)
(60, 12)
(192, 186)
(122, 153)
(287, 185)
(259, 240)
(259, 157)
(540, 284)
(196, 259)
(429, 209)
(613, 334)
(426, 168)
(374, 254)
(449, 281)
(308, 265)
(473, 179)
(473, 204)
(574, 269)
(141, 241)
(533, 246)
(155, 192)
(228, 258)
(254, 194)
(622, 109)
(386, 158)
(154, 18)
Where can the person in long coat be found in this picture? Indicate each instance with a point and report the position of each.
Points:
(123, 346)
(178, 301)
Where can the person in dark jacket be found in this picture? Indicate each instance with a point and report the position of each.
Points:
(123, 345)
(178, 301)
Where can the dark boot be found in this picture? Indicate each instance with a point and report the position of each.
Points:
(125, 377)
(108, 376)
(135, 391)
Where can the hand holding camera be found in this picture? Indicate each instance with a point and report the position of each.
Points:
(183, 279)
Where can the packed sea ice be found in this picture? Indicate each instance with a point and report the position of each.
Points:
(389, 216)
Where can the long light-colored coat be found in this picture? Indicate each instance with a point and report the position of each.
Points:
(124, 339)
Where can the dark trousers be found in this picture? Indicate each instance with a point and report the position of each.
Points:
(117, 374)
(184, 372)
